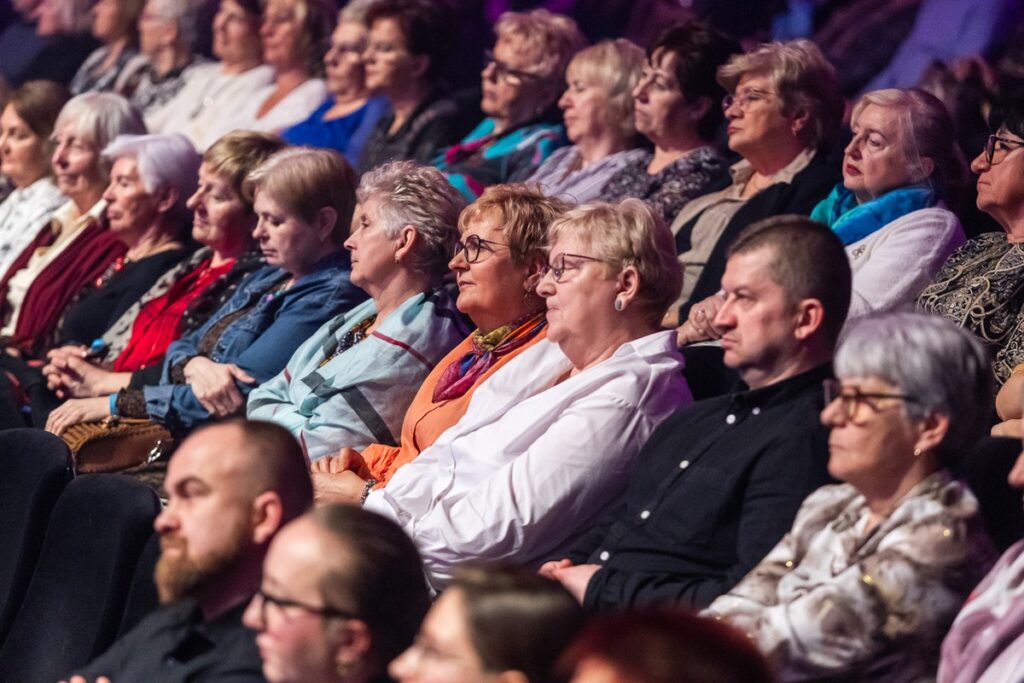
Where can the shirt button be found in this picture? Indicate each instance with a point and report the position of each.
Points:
(756, 411)
(684, 464)
(604, 555)
(730, 419)
(645, 514)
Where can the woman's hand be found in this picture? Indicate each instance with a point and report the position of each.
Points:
(337, 487)
(548, 569)
(73, 377)
(77, 410)
(1010, 428)
(214, 385)
(347, 460)
(1008, 400)
(699, 325)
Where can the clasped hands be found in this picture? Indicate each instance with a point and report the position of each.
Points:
(339, 478)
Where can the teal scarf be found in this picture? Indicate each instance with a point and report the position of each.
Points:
(853, 222)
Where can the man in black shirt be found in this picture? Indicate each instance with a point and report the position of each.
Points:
(719, 483)
(230, 488)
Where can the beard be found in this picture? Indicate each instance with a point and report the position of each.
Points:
(179, 575)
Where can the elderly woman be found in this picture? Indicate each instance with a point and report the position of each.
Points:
(76, 248)
(497, 263)
(202, 108)
(115, 24)
(888, 210)
(351, 382)
(676, 108)
(568, 415)
(872, 573)
(302, 198)
(348, 116)
(980, 287)
(492, 624)
(522, 80)
(25, 150)
(598, 113)
(405, 56)
(342, 594)
(783, 111)
(185, 297)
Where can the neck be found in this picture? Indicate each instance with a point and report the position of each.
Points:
(353, 92)
(768, 161)
(22, 183)
(223, 253)
(288, 78)
(502, 125)
(395, 291)
(806, 357)
(405, 101)
(116, 47)
(87, 199)
(243, 583)
(667, 152)
(882, 497)
(168, 60)
(152, 239)
(586, 351)
(240, 66)
(1013, 223)
(592, 149)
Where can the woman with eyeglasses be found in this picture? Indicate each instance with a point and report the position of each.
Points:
(522, 80)
(675, 106)
(342, 595)
(980, 287)
(870, 577)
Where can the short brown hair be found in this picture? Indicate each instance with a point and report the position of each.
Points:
(238, 153)
(525, 213)
(38, 103)
(809, 263)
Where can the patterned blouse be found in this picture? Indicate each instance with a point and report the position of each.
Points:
(981, 288)
(93, 77)
(831, 602)
(691, 175)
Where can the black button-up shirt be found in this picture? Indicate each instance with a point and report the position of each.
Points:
(714, 489)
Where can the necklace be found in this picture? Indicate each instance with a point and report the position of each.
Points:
(357, 334)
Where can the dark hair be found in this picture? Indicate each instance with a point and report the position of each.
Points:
(1008, 113)
(423, 25)
(38, 103)
(667, 646)
(809, 263)
(318, 22)
(517, 621)
(699, 51)
(278, 464)
(379, 577)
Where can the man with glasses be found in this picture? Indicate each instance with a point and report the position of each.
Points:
(230, 487)
(719, 482)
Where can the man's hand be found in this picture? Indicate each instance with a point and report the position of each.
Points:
(77, 410)
(547, 570)
(214, 385)
(576, 578)
(337, 487)
(73, 377)
(347, 460)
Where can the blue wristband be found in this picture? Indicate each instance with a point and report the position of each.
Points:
(113, 405)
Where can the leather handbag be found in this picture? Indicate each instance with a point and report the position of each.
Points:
(116, 444)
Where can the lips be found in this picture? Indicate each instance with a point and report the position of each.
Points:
(850, 169)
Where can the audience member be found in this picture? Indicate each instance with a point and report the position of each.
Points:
(348, 115)
(203, 108)
(302, 198)
(26, 126)
(405, 61)
(342, 595)
(521, 82)
(492, 624)
(62, 30)
(783, 111)
(872, 573)
(722, 480)
(662, 646)
(115, 23)
(497, 263)
(980, 285)
(676, 108)
(570, 413)
(230, 488)
(597, 109)
(351, 381)
(888, 210)
(76, 248)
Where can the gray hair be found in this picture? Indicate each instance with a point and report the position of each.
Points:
(420, 196)
(164, 162)
(942, 366)
(99, 117)
(189, 15)
(355, 12)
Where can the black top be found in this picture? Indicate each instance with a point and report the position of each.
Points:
(97, 308)
(435, 124)
(715, 488)
(175, 644)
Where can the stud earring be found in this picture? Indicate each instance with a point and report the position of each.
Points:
(619, 303)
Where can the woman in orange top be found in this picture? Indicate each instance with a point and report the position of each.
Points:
(498, 261)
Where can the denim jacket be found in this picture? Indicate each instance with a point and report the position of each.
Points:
(262, 341)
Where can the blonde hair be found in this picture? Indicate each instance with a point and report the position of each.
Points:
(524, 213)
(552, 38)
(628, 234)
(615, 66)
(238, 153)
(801, 77)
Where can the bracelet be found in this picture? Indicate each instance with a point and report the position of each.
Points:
(370, 483)
(113, 405)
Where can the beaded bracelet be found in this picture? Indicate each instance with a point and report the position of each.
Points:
(370, 483)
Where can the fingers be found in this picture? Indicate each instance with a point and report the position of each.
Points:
(1016, 477)
(240, 374)
(549, 569)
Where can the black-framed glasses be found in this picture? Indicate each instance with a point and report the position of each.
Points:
(558, 267)
(852, 397)
(744, 99)
(993, 140)
(504, 72)
(474, 245)
(281, 604)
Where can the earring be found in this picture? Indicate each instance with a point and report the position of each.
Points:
(397, 260)
(346, 669)
(917, 452)
(619, 303)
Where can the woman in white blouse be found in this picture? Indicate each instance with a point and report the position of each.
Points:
(549, 440)
(25, 149)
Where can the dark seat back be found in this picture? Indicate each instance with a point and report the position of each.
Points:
(985, 469)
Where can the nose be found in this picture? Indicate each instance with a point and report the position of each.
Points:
(733, 111)
(165, 521)
(565, 101)
(853, 149)
(60, 153)
(980, 164)
(265, 28)
(195, 201)
(490, 72)
(640, 90)
(349, 243)
(831, 414)
(724, 318)
(546, 285)
(458, 261)
(259, 233)
(108, 193)
(253, 615)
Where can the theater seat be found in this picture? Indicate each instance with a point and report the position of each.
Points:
(985, 469)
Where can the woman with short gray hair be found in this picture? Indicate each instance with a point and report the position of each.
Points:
(351, 383)
(874, 570)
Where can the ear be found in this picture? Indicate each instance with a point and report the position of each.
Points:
(326, 221)
(699, 108)
(267, 513)
(809, 319)
(354, 645)
(798, 121)
(419, 66)
(534, 272)
(927, 168)
(166, 199)
(628, 284)
(933, 430)
(406, 241)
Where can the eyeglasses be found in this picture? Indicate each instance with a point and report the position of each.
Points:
(282, 604)
(851, 397)
(990, 147)
(474, 245)
(559, 265)
(503, 72)
(744, 99)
